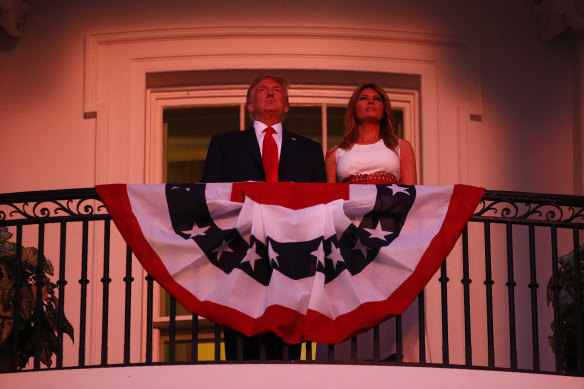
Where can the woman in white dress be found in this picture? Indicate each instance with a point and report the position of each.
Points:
(370, 152)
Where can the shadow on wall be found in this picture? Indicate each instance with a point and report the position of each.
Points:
(7, 42)
(12, 15)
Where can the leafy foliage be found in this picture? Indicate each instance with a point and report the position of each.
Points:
(566, 332)
(27, 321)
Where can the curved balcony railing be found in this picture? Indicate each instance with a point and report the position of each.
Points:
(509, 297)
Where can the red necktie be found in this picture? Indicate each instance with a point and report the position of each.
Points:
(270, 155)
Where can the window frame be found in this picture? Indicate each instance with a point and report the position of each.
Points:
(159, 99)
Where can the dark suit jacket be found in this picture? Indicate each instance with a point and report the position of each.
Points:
(235, 157)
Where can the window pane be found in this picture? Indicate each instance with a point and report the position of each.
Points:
(306, 121)
(184, 345)
(335, 125)
(165, 305)
(398, 122)
(189, 131)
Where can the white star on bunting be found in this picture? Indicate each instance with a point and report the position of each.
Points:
(378, 232)
(360, 246)
(335, 255)
(196, 231)
(398, 189)
(251, 256)
(319, 254)
(272, 254)
(221, 249)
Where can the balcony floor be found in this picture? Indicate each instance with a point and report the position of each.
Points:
(284, 376)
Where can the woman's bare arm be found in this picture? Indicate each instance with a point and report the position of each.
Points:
(330, 165)
(407, 162)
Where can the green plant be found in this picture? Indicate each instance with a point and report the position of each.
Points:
(27, 318)
(567, 336)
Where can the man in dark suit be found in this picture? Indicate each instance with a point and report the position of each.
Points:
(264, 152)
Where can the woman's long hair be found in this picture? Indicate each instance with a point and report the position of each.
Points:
(386, 129)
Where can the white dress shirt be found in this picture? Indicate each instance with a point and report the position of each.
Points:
(259, 128)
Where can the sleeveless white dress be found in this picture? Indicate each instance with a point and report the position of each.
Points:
(371, 159)
(367, 159)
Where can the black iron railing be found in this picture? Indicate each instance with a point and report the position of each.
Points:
(517, 305)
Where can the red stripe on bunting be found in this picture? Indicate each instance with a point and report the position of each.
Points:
(289, 194)
(115, 197)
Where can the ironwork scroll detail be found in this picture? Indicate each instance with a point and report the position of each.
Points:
(46, 209)
(544, 211)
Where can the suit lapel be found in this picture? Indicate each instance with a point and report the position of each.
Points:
(250, 142)
(288, 149)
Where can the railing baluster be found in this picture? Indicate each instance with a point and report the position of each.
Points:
(557, 326)
(128, 279)
(578, 298)
(83, 298)
(61, 286)
(511, 294)
(195, 338)
(308, 348)
(18, 284)
(421, 328)
(218, 343)
(149, 317)
(40, 285)
(466, 282)
(376, 345)
(489, 295)
(106, 280)
(444, 304)
(399, 347)
(533, 286)
(172, 331)
(354, 349)
(239, 340)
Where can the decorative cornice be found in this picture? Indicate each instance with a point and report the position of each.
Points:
(251, 31)
(12, 16)
(96, 42)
